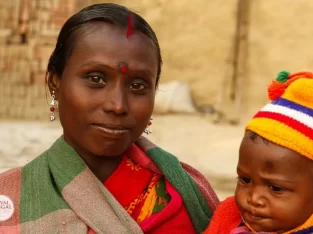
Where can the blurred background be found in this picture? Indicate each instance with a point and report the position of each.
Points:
(218, 58)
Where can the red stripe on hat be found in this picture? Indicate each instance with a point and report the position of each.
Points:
(292, 123)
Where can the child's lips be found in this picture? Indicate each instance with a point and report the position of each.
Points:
(257, 221)
(256, 217)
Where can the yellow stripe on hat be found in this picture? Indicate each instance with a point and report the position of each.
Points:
(299, 91)
(283, 135)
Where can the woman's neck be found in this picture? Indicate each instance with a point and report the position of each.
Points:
(101, 166)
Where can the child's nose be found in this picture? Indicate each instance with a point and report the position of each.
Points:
(256, 197)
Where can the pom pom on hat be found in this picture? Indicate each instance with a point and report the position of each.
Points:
(278, 86)
(282, 76)
(288, 119)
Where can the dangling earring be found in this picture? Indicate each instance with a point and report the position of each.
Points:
(52, 107)
(148, 129)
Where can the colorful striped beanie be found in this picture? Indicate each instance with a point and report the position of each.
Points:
(288, 119)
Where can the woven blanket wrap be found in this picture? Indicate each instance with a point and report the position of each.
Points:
(57, 193)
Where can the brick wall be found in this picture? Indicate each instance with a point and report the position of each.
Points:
(28, 32)
(197, 42)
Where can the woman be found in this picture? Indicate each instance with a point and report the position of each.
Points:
(101, 176)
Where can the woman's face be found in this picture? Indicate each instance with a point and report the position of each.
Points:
(103, 110)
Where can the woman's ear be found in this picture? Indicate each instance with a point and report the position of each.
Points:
(53, 81)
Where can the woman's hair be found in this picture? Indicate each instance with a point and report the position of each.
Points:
(106, 12)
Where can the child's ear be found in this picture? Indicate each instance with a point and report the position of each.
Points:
(53, 81)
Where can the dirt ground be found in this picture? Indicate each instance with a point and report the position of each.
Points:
(212, 149)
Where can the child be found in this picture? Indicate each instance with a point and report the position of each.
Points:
(274, 192)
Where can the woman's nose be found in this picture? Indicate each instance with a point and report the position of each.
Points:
(115, 100)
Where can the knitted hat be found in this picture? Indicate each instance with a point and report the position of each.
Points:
(288, 119)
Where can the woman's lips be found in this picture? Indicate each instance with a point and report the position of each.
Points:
(111, 130)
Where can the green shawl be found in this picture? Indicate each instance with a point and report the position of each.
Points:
(57, 193)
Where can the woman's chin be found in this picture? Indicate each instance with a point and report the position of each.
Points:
(109, 151)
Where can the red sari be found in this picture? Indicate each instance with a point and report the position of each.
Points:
(149, 198)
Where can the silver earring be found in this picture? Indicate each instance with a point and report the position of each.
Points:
(148, 128)
(52, 107)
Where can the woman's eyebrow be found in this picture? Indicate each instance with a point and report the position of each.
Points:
(98, 64)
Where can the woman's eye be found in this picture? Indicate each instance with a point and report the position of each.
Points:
(137, 86)
(96, 79)
(244, 180)
(276, 188)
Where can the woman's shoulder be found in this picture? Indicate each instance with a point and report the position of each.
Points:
(203, 185)
(10, 182)
(11, 173)
(13, 177)
(13, 180)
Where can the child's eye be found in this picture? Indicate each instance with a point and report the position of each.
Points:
(244, 180)
(275, 188)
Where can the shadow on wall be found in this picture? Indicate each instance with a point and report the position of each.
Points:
(175, 97)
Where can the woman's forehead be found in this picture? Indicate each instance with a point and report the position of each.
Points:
(108, 43)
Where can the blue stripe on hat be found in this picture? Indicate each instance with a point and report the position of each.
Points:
(293, 105)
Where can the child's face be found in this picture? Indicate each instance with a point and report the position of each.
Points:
(275, 185)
